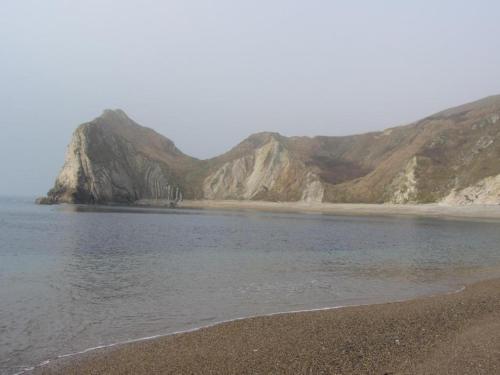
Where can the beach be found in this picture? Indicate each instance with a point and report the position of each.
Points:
(484, 212)
(454, 333)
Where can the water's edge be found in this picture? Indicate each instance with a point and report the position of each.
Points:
(158, 336)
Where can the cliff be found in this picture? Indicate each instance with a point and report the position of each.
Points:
(113, 159)
(451, 157)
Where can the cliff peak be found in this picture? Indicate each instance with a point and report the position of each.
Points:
(265, 135)
(115, 114)
(261, 138)
(116, 111)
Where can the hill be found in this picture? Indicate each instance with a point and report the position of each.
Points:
(452, 156)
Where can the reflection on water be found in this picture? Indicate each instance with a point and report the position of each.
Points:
(76, 277)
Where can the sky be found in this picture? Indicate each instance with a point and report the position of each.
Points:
(207, 74)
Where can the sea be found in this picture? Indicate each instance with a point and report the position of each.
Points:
(74, 278)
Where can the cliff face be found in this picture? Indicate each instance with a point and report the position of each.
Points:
(451, 157)
(113, 159)
(269, 171)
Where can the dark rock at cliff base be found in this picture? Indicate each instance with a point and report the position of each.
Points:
(45, 200)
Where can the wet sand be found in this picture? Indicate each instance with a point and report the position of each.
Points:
(485, 212)
(456, 333)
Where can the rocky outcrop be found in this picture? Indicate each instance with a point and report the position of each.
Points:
(486, 191)
(269, 172)
(111, 160)
(405, 184)
(451, 157)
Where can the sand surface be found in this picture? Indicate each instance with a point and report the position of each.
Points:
(456, 333)
(488, 212)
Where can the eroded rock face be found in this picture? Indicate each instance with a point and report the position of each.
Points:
(104, 165)
(452, 157)
(486, 191)
(269, 173)
(405, 184)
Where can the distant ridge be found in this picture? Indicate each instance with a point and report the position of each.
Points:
(451, 157)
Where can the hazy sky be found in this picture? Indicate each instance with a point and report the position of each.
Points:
(209, 73)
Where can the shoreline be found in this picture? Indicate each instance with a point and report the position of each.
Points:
(104, 347)
(434, 210)
(183, 347)
(431, 210)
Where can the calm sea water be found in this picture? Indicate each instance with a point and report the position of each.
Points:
(73, 278)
